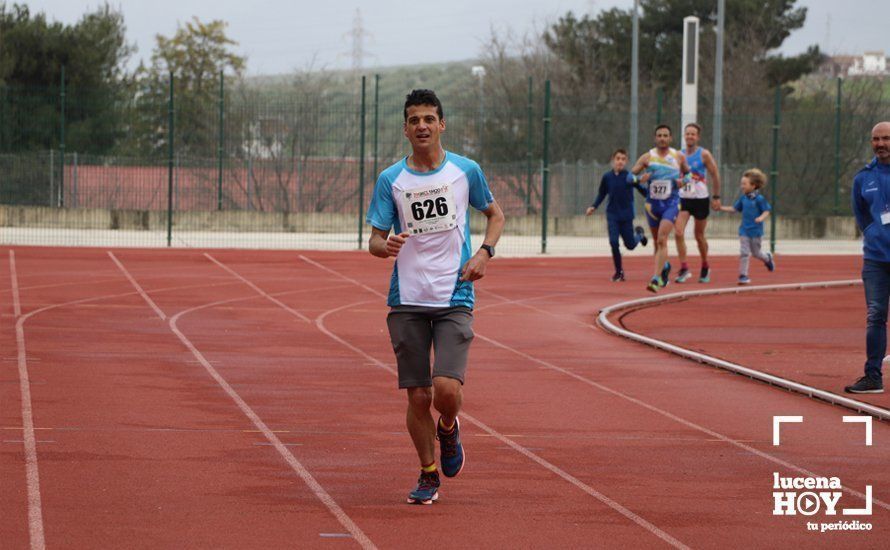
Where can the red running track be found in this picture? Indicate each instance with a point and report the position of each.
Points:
(246, 399)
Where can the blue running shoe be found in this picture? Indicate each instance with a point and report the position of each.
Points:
(427, 490)
(452, 452)
(770, 264)
(743, 279)
(665, 274)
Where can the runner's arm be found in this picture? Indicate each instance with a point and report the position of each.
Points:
(384, 245)
(713, 173)
(474, 269)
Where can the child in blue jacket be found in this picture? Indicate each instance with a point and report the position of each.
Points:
(620, 210)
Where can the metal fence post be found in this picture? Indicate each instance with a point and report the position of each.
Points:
(376, 121)
(545, 180)
(659, 99)
(61, 199)
(528, 151)
(170, 165)
(774, 172)
(361, 170)
(220, 147)
(837, 149)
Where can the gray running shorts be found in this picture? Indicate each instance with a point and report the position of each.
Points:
(415, 330)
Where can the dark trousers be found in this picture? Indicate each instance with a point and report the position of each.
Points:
(876, 279)
(625, 230)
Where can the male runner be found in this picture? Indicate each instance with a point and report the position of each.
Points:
(664, 166)
(694, 201)
(425, 197)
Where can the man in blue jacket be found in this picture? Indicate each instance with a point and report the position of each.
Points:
(871, 205)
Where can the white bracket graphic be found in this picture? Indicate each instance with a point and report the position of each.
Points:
(864, 420)
(777, 423)
(861, 511)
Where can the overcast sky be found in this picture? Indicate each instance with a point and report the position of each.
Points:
(279, 36)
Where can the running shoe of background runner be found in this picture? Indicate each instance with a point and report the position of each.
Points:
(654, 285)
(642, 233)
(452, 452)
(866, 384)
(683, 275)
(666, 274)
(705, 275)
(770, 263)
(743, 280)
(618, 277)
(427, 490)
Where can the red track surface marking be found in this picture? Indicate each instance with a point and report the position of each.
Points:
(258, 289)
(35, 509)
(295, 464)
(147, 444)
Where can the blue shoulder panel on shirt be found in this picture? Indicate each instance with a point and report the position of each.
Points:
(480, 194)
(382, 211)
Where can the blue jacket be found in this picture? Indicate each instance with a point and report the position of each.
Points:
(871, 197)
(751, 206)
(621, 195)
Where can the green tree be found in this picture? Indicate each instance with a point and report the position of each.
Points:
(32, 54)
(597, 49)
(196, 55)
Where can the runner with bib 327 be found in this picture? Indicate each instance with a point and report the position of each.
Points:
(664, 170)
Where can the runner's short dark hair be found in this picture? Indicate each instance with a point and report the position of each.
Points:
(660, 126)
(618, 151)
(423, 97)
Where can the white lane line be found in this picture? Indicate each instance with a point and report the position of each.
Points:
(259, 291)
(649, 407)
(614, 505)
(139, 288)
(32, 474)
(797, 387)
(269, 434)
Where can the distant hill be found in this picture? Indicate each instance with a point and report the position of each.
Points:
(451, 81)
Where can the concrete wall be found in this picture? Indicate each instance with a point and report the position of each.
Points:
(720, 225)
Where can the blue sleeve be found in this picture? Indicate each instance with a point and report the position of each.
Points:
(601, 194)
(764, 204)
(382, 211)
(641, 189)
(860, 207)
(738, 205)
(480, 194)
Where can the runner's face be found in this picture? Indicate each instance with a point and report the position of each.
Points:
(663, 138)
(619, 161)
(880, 141)
(423, 128)
(746, 186)
(691, 137)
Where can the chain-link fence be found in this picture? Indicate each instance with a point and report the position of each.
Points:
(234, 167)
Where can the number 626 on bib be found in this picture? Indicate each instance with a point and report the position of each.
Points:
(429, 209)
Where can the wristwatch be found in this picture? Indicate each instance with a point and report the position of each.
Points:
(489, 249)
(715, 197)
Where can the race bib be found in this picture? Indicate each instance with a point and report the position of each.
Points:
(429, 209)
(660, 189)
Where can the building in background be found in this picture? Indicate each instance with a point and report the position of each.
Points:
(872, 63)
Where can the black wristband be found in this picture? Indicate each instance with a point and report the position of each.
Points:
(715, 196)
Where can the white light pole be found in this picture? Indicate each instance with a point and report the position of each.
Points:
(479, 72)
(689, 86)
(635, 83)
